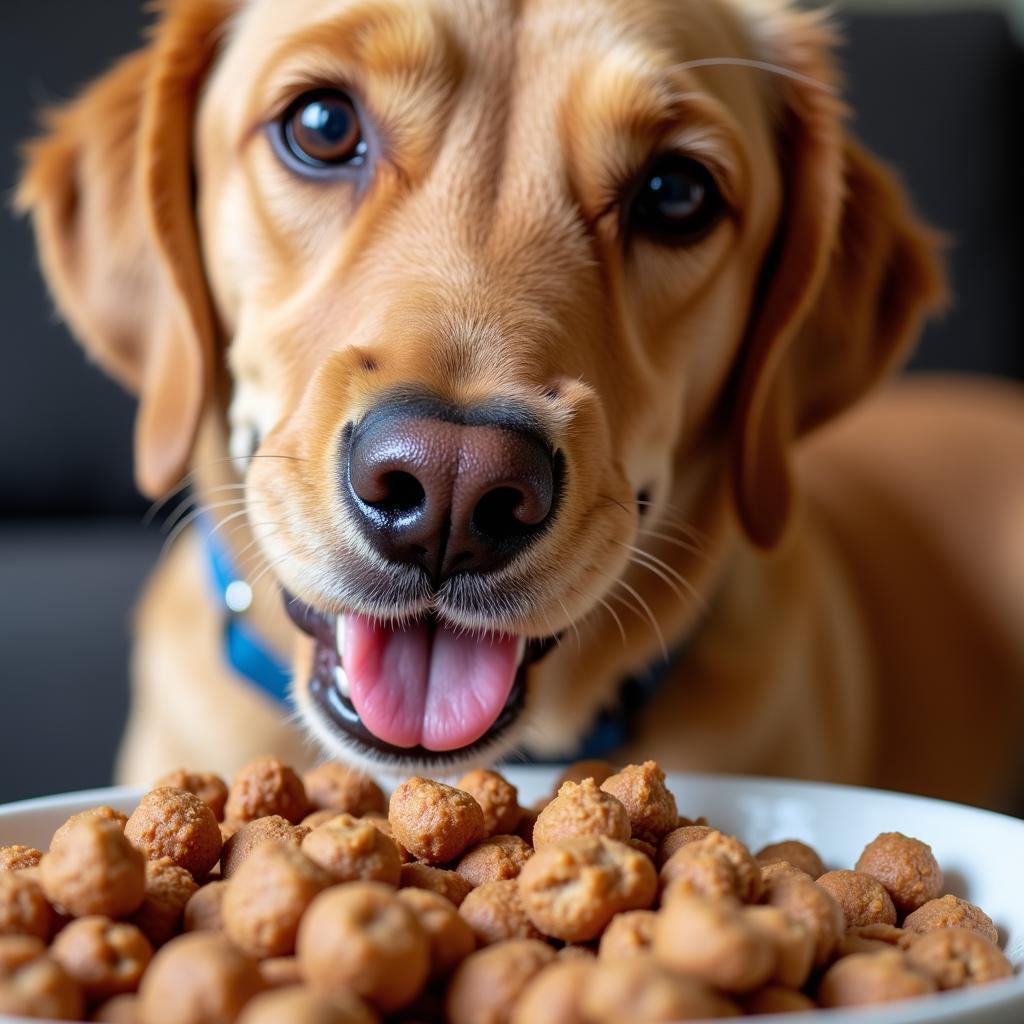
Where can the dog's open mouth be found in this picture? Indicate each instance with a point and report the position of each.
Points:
(415, 690)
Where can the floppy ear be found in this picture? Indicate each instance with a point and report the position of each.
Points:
(845, 291)
(109, 188)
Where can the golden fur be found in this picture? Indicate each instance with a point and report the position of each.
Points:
(853, 596)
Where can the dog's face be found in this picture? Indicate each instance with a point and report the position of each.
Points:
(497, 286)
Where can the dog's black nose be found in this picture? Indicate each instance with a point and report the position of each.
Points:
(448, 490)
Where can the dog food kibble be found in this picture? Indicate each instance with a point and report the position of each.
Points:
(629, 934)
(497, 798)
(714, 941)
(866, 978)
(93, 869)
(494, 860)
(252, 834)
(905, 866)
(298, 1004)
(863, 899)
(581, 810)
(210, 788)
(361, 937)
(488, 983)
(573, 889)
(449, 884)
(434, 822)
(267, 897)
(266, 787)
(957, 957)
(348, 849)
(40, 988)
(17, 858)
(336, 787)
(678, 838)
(450, 936)
(24, 909)
(951, 912)
(495, 911)
(197, 979)
(461, 907)
(792, 851)
(641, 789)
(176, 824)
(203, 912)
(106, 958)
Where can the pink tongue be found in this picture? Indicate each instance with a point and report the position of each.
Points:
(440, 689)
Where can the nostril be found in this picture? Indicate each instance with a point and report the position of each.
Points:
(505, 512)
(401, 494)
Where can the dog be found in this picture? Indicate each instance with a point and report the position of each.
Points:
(529, 362)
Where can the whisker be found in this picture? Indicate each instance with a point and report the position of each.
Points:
(756, 65)
(693, 549)
(572, 622)
(615, 615)
(656, 564)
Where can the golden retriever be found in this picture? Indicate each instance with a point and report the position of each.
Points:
(494, 326)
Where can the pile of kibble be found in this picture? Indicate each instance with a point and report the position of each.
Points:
(316, 901)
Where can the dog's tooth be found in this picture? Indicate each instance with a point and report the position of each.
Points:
(339, 636)
(520, 651)
(341, 681)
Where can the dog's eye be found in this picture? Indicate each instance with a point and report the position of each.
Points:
(321, 130)
(677, 201)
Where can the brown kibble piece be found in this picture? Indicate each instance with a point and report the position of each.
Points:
(252, 834)
(629, 934)
(105, 958)
(866, 978)
(580, 770)
(776, 999)
(494, 860)
(433, 821)
(318, 818)
(748, 871)
(863, 899)
(203, 910)
(780, 869)
(266, 787)
(449, 884)
(870, 938)
(344, 790)
(526, 825)
(450, 936)
(905, 866)
(123, 1009)
(281, 971)
(573, 889)
(16, 950)
(93, 869)
(198, 978)
(210, 788)
(715, 942)
(813, 907)
(17, 858)
(361, 937)
(349, 849)
(678, 838)
(267, 897)
(554, 995)
(951, 912)
(107, 813)
(498, 799)
(794, 944)
(168, 890)
(800, 855)
(298, 1004)
(40, 988)
(641, 789)
(488, 983)
(24, 909)
(581, 810)
(716, 865)
(495, 912)
(178, 825)
(957, 958)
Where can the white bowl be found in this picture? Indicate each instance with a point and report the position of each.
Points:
(981, 853)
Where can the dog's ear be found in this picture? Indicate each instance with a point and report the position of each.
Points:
(109, 188)
(850, 279)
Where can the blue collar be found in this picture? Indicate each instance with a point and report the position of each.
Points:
(252, 659)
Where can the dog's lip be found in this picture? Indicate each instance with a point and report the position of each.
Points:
(329, 701)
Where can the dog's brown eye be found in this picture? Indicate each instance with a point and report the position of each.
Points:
(677, 201)
(321, 130)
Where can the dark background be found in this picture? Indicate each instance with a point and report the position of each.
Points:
(938, 94)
